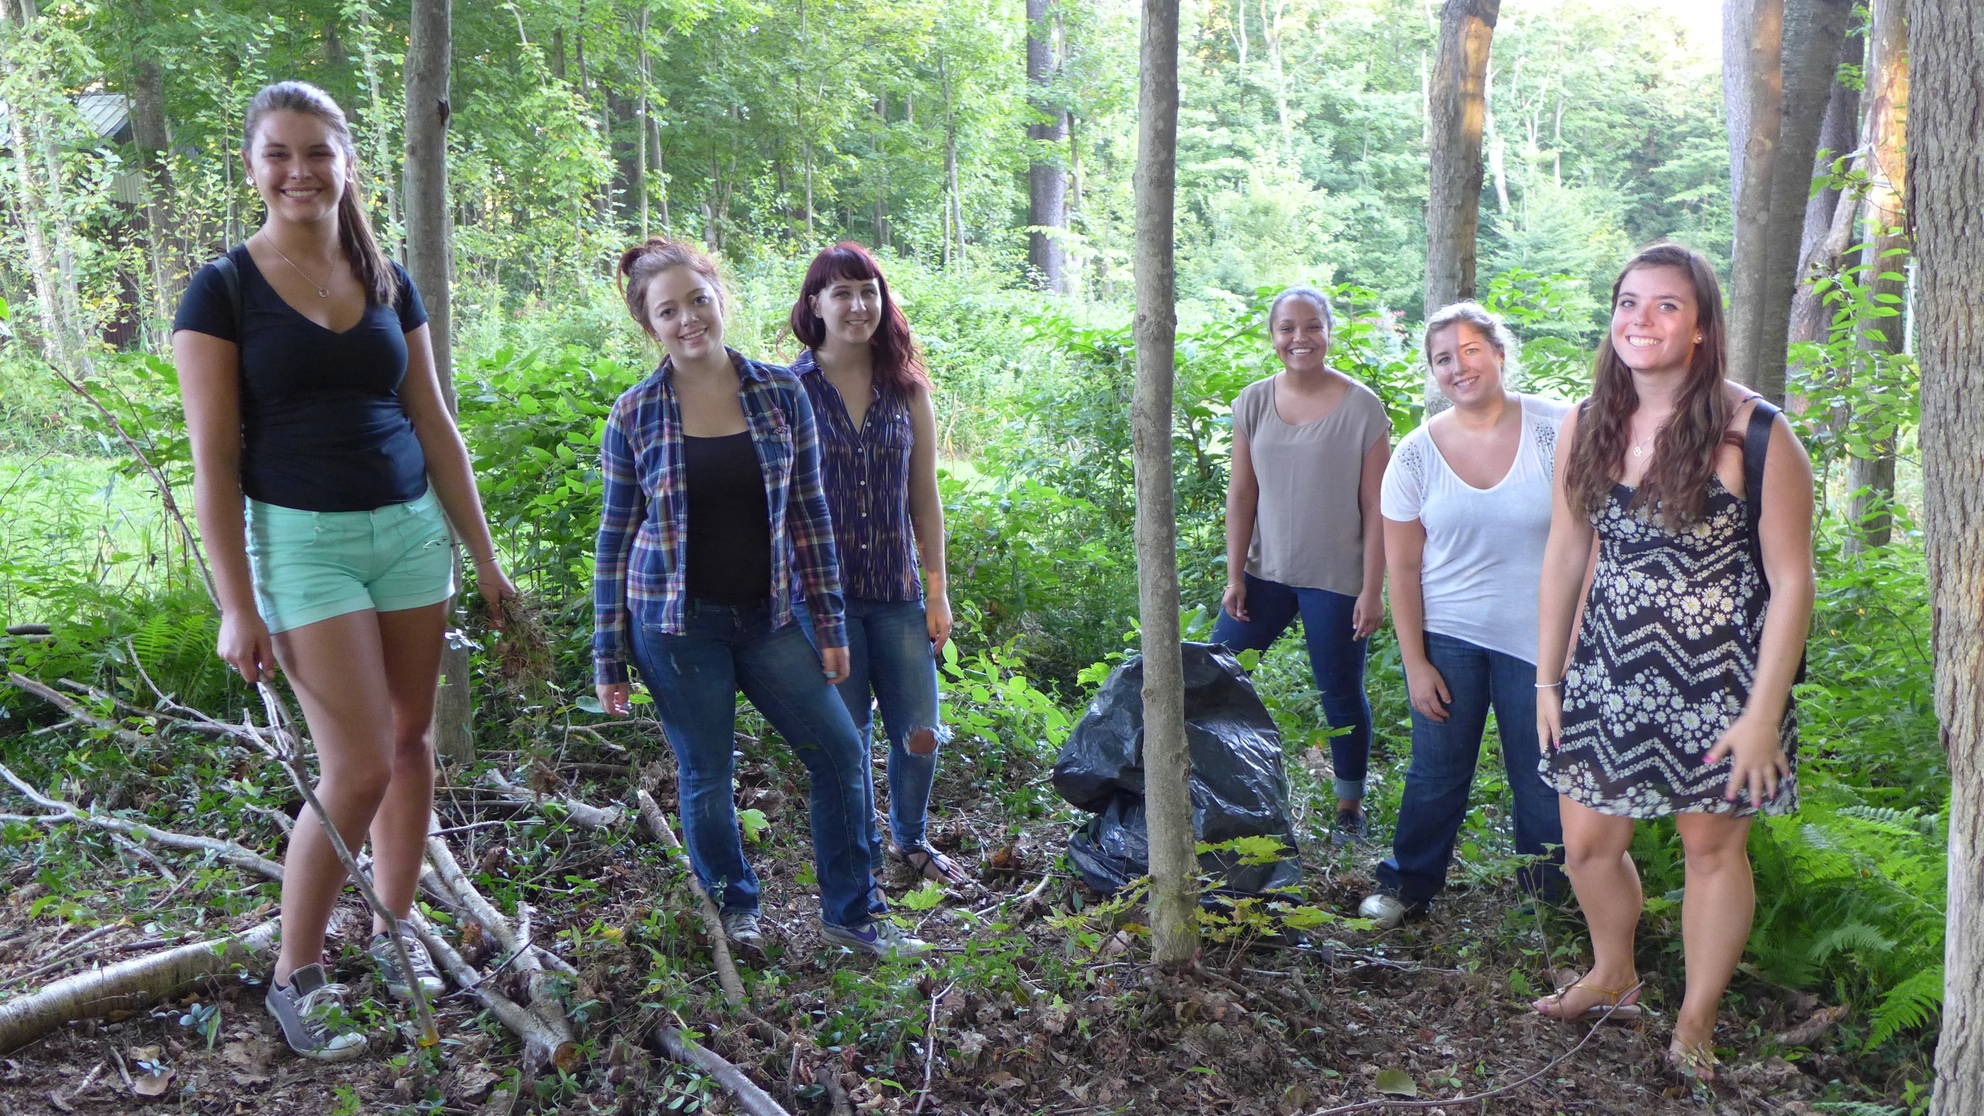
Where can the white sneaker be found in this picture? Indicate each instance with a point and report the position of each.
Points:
(1383, 908)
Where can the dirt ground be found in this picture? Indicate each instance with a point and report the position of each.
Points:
(1030, 1015)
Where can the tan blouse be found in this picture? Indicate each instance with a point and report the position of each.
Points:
(1308, 526)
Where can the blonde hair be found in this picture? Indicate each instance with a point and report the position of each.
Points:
(1491, 328)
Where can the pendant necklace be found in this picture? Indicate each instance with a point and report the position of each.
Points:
(322, 291)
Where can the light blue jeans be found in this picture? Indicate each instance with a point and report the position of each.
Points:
(891, 665)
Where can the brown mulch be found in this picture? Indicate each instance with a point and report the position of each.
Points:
(1267, 1030)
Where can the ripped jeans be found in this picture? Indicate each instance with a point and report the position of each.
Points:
(695, 678)
(889, 657)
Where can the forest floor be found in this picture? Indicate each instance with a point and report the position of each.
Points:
(1039, 1005)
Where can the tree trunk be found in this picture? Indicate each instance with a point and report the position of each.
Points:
(1787, 69)
(1047, 186)
(1946, 177)
(640, 184)
(1456, 114)
(1456, 111)
(1828, 214)
(428, 260)
(1167, 759)
(1885, 258)
(39, 203)
(165, 250)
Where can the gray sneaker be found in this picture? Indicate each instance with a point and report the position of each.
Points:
(383, 954)
(877, 938)
(741, 927)
(311, 1014)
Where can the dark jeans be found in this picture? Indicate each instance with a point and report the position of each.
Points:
(1444, 754)
(695, 678)
(1336, 660)
(890, 665)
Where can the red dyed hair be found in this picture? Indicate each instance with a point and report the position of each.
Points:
(898, 362)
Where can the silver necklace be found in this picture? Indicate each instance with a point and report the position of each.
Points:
(1640, 447)
(322, 291)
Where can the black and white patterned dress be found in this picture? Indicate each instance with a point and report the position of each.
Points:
(1664, 663)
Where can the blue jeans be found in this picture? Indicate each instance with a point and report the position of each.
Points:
(1444, 754)
(695, 678)
(889, 657)
(1336, 660)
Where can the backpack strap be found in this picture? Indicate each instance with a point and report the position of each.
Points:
(230, 277)
(1756, 447)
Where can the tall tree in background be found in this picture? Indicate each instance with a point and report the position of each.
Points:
(1780, 58)
(1946, 175)
(1047, 182)
(1884, 260)
(32, 91)
(1456, 110)
(1829, 212)
(429, 261)
(1167, 757)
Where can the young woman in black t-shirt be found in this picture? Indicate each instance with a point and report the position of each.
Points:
(318, 426)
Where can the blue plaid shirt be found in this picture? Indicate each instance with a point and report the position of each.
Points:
(642, 559)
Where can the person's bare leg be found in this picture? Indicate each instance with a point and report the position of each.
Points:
(1608, 890)
(411, 639)
(1716, 911)
(337, 670)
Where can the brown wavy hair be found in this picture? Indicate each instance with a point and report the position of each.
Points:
(355, 237)
(1675, 487)
(898, 361)
(641, 263)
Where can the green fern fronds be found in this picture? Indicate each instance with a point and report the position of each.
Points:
(1907, 1005)
(1853, 936)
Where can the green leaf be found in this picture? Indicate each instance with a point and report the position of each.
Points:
(1397, 1082)
(925, 898)
(754, 824)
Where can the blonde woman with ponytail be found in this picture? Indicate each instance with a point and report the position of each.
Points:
(327, 474)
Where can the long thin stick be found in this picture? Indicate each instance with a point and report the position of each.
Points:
(1475, 1098)
(726, 969)
(930, 1048)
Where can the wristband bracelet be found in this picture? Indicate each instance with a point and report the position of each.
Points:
(1549, 685)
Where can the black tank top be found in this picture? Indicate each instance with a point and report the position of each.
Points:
(730, 535)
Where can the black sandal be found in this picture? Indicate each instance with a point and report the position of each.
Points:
(933, 865)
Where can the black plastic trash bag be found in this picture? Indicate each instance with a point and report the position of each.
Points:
(1238, 786)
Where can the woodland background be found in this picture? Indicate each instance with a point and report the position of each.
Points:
(986, 148)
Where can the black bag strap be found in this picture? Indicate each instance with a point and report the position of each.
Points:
(230, 277)
(1756, 447)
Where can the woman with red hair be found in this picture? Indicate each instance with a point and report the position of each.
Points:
(878, 452)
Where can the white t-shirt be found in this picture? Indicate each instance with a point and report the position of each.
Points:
(1484, 546)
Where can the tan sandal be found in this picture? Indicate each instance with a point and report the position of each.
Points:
(1615, 1005)
(1696, 1060)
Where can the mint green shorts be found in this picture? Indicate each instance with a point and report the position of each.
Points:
(311, 565)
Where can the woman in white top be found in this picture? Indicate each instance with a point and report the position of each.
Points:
(1466, 503)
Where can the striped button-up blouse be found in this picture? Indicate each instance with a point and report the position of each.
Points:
(867, 482)
(642, 560)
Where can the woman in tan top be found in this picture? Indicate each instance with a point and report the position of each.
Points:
(1303, 535)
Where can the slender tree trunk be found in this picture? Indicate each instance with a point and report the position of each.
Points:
(1456, 114)
(39, 203)
(428, 259)
(953, 209)
(1456, 111)
(660, 173)
(1167, 758)
(1047, 184)
(164, 248)
(1946, 177)
(1493, 138)
(1828, 213)
(641, 117)
(1885, 259)
(1787, 69)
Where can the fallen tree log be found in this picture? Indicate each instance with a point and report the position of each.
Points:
(582, 814)
(129, 985)
(689, 1052)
